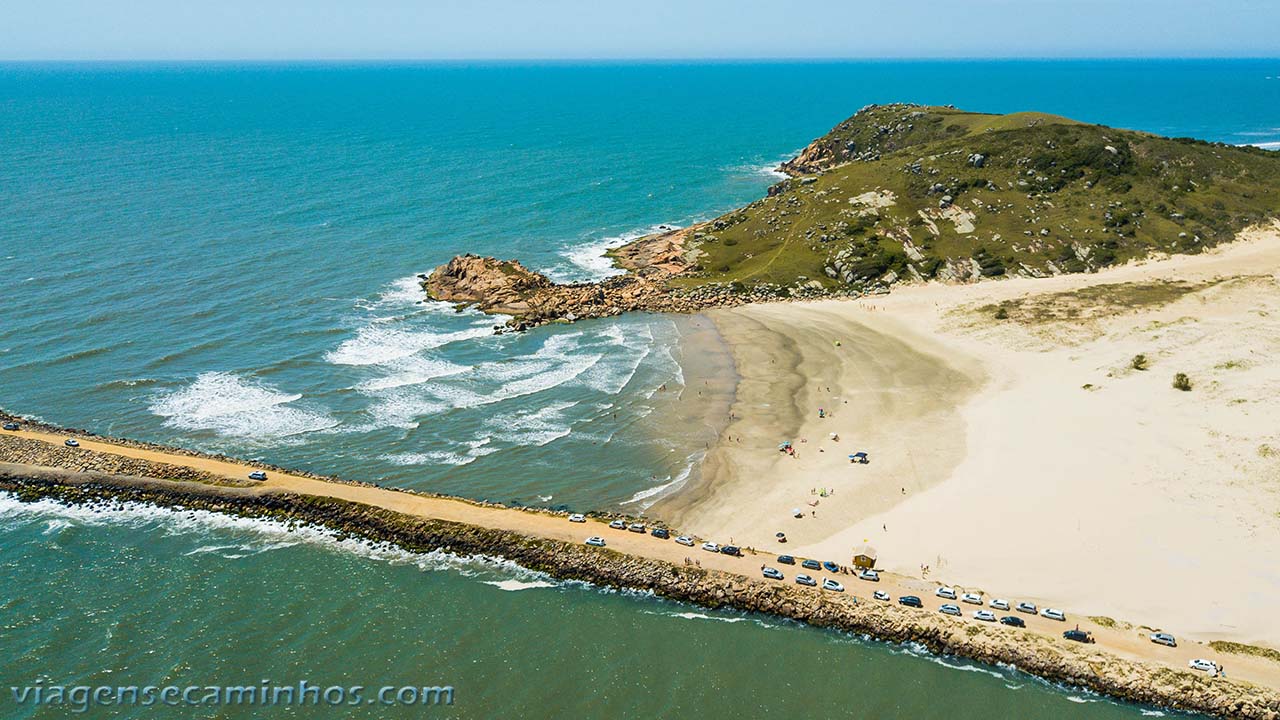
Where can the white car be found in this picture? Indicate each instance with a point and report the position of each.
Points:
(984, 615)
(596, 541)
(72, 442)
(577, 517)
(1027, 607)
(832, 585)
(1053, 614)
(880, 595)
(257, 475)
(869, 574)
(805, 580)
(1208, 666)
(711, 547)
(772, 573)
(618, 525)
(971, 598)
(1000, 604)
(945, 592)
(950, 609)
(685, 540)
(1162, 638)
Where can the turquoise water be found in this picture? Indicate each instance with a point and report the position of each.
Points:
(224, 257)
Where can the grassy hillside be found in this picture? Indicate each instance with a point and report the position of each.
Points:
(909, 192)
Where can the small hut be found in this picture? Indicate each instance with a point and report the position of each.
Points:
(864, 557)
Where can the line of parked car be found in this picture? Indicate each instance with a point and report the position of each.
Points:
(871, 575)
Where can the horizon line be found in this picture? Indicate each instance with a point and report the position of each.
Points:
(637, 59)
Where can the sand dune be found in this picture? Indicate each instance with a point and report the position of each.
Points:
(1026, 456)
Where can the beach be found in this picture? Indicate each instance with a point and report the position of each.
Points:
(1014, 446)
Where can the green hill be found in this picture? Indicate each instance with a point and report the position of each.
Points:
(902, 192)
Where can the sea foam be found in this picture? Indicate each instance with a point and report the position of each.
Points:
(237, 407)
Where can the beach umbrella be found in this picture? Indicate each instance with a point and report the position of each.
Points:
(780, 535)
(796, 511)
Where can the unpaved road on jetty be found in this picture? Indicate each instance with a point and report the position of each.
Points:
(1129, 643)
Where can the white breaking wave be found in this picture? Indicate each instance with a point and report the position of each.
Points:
(539, 427)
(378, 345)
(230, 405)
(517, 585)
(654, 494)
(411, 371)
(588, 261)
(476, 449)
(251, 535)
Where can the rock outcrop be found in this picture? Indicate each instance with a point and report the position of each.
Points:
(496, 286)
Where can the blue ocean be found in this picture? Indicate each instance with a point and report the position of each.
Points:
(225, 257)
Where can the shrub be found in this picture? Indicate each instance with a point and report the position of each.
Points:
(1002, 313)
(1182, 382)
(1139, 362)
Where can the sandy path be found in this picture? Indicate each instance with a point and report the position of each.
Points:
(1128, 643)
(993, 464)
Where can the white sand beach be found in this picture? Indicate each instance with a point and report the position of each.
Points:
(1025, 456)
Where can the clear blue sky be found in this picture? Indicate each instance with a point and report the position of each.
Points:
(545, 29)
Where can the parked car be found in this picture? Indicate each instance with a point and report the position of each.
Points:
(772, 573)
(786, 560)
(971, 598)
(72, 442)
(257, 475)
(832, 585)
(11, 426)
(618, 525)
(945, 592)
(1027, 607)
(1013, 621)
(1000, 604)
(1078, 635)
(805, 580)
(731, 550)
(595, 540)
(1164, 639)
(880, 595)
(950, 609)
(685, 540)
(984, 615)
(811, 565)
(1053, 614)
(1204, 665)
(830, 566)
(868, 574)
(577, 517)
(710, 547)
(661, 533)
(910, 601)
(637, 528)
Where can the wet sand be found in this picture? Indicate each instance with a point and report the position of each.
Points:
(1025, 458)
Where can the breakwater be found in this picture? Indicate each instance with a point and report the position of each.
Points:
(1039, 655)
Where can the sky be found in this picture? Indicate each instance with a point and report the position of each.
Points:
(628, 29)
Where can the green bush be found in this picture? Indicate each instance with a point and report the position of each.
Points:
(1182, 382)
(1140, 362)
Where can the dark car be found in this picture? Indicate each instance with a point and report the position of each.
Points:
(1078, 636)
(811, 565)
(1012, 621)
(11, 426)
(731, 550)
(786, 560)
(830, 566)
(660, 533)
(910, 601)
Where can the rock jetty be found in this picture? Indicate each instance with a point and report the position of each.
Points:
(1080, 666)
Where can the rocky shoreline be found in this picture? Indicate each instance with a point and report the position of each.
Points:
(1040, 656)
(506, 287)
